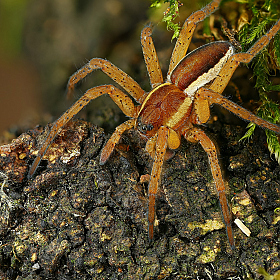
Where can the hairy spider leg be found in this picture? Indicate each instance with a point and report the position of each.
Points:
(186, 34)
(115, 73)
(160, 150)
(227, 71)
(151, 58)
(216, 98)
(197, 135)
(120, 98)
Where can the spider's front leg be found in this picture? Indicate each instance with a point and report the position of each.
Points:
(198, 135)
(121, 99)
(160, 150)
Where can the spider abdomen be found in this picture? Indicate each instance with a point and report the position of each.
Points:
(200, 66)
(165, 105)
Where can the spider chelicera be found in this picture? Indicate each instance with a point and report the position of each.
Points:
(174, 107)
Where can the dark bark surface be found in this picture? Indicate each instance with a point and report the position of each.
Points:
(78, 220)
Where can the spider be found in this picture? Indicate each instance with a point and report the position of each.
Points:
(174, 107)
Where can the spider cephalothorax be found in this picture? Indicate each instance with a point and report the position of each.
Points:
(172, 108)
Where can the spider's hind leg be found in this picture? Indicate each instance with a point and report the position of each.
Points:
(213, 94)
(226, 73)
(212, 97)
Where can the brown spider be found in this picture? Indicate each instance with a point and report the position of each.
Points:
(174, 107)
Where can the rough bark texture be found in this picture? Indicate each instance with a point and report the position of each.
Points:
(78, 220)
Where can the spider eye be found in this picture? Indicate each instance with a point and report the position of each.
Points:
(142, 127)
(150, 126)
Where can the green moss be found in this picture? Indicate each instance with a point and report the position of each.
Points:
(170, 14)
(263, 17)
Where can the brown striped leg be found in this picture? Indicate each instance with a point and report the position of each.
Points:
(114, 139)
(120, 77)
(216, 98)
(198, 135)
(224, 77)
(151, 58)
(121, 99)
(187, 31)
(161, 145)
